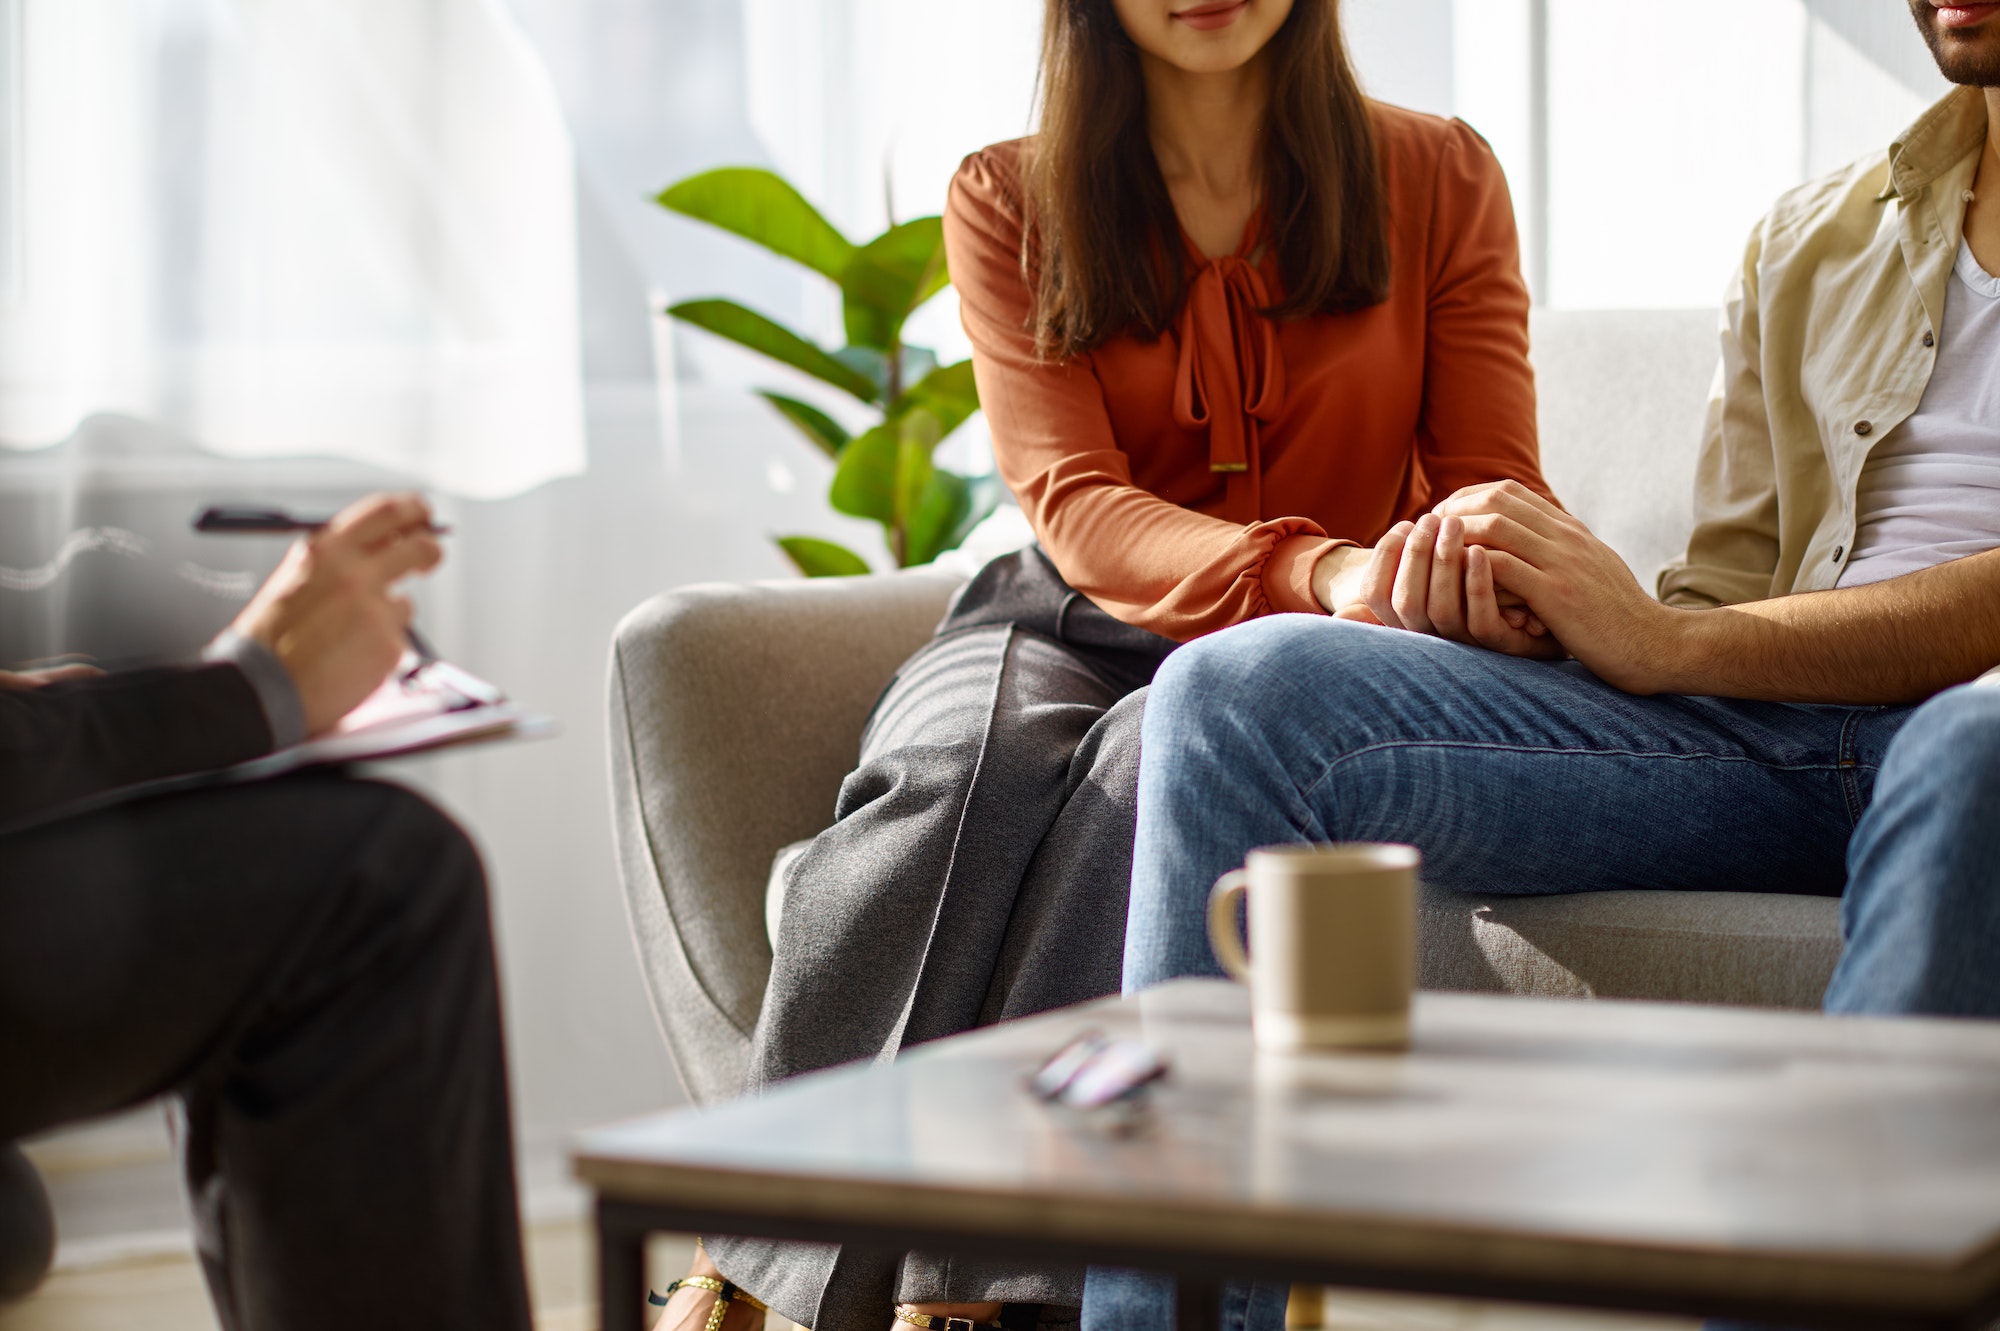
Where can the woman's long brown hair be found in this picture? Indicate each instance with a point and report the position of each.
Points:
(1103, 253)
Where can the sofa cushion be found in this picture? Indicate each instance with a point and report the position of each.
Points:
(1755, 948)
(1759, 949)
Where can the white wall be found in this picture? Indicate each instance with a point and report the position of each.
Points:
(1672, 128)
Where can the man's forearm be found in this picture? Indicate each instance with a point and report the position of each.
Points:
(1889, 642)
(72, 741)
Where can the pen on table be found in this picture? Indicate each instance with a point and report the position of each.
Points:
(238, 520)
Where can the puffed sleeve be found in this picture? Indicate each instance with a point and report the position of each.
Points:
(1478, 421)
(1145, 560)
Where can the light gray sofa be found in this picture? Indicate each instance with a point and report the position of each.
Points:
(736, 710)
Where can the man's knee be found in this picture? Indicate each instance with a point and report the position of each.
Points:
(1947, 755)
(1244, 656)
(1922, 908)
(1273, 671)
(414, 874)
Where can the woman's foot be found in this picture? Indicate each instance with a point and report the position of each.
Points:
(692, 1306)
(944, 1316)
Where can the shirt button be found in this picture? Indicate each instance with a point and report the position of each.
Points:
(1838, 551)
(1864, 428)
(1929, 341)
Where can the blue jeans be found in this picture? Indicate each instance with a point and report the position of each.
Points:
(1527, 777)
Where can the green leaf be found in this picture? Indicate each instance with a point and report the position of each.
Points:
(983, 496)
(745, 327)
(891, 276)
(762, 208)
(917, 363)
(864, 481)
(939, 513)
(948, 393)
(868, 362)
(826, 433)
(822, 559)
(916, 438)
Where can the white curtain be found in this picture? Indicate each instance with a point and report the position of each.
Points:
(285, 227)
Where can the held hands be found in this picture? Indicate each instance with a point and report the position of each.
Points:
(1576, 584)
(1499, 566)
(1424, 577)
(330, 613)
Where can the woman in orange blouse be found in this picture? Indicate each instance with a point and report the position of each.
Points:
(1235, 326)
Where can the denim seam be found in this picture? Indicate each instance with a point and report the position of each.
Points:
(1851, 769)
(1306, 792)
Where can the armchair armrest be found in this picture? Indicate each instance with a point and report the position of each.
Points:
(736, 711)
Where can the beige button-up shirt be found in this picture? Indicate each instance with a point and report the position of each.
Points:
(1829, 334)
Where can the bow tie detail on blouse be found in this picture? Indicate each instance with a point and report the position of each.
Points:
(1231, 375)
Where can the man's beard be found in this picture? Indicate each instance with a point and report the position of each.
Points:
(1961, 62)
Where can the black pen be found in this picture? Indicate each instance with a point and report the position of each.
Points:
(240, 520)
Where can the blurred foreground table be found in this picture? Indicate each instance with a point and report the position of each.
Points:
(1774, 1166)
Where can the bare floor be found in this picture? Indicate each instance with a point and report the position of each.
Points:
(165, 1294)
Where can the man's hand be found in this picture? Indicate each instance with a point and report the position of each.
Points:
(1421, 576)
(17, 681)
(330, 613)
(1575, 584)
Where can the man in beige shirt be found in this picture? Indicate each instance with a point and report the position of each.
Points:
(1795, 713)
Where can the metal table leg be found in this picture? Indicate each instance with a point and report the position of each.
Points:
(621, 1271)
(1197, 1305)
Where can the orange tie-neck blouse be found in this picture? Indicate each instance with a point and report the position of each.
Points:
(1191, 482)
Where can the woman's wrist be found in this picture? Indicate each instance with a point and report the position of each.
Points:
(1336, 578)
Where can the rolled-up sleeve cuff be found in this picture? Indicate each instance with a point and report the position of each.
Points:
(272, 683)
(1288, 573)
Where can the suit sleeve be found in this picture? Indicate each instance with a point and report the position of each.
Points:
(1733, 552)
(1144, 559)
(70, 741)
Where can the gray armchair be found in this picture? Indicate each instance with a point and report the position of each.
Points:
(736, 710)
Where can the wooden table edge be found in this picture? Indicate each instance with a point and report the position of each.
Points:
(1625, 1272)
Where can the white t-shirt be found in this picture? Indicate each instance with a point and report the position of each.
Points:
(1930, 491)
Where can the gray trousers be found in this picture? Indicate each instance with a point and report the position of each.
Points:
(977, 870)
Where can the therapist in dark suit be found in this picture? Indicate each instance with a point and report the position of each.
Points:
(305, 964)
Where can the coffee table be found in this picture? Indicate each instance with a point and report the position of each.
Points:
(1776, 1166)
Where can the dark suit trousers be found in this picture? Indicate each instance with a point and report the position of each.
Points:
(307, 965)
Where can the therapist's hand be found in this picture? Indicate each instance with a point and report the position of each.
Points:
(15, 681)
(331, 613)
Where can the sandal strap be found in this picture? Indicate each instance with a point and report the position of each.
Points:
(930, 1323)
(725, 1293)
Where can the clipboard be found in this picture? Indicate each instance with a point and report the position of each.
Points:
(425, 705)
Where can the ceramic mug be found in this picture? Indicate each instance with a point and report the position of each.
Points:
(1332, 959)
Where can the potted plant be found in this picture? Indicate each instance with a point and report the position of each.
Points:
(887, 472)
